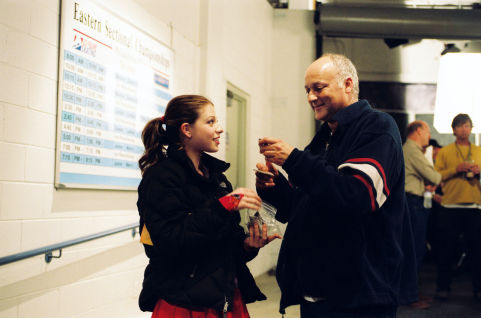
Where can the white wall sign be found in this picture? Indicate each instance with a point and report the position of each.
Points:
(113, 78)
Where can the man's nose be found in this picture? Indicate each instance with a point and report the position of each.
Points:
(311, 97)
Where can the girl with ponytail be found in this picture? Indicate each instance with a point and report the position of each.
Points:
(189, 219)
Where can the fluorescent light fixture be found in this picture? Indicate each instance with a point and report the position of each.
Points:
(458, 90)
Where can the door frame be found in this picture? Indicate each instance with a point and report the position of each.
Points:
(243, 177)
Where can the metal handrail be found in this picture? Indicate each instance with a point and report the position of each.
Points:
(47, 250)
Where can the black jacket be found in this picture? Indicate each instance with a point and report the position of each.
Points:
(349, 237)
(197, 247)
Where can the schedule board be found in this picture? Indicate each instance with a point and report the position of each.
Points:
(113, 78)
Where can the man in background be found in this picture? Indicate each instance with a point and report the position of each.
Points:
(459, 164)
(419, 173)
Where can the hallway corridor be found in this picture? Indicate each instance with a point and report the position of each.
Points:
(460, 304)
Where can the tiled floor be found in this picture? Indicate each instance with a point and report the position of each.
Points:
(460, 305)
(270, 307)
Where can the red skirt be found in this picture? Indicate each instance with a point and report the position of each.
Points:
(165, 310)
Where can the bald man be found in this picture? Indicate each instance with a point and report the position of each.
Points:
(419, 174)
(348, 248)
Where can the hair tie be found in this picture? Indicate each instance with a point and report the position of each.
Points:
(162, 119)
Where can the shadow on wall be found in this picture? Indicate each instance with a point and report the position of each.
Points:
(30, 288)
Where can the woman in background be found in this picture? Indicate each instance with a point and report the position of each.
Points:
(189, 219)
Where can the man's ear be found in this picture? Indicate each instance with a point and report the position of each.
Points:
(348, 84)
(185, 130)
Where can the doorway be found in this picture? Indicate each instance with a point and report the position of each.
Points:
(236, 136)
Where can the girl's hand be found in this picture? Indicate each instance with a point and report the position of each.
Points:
(249, 200)
(241, 198)
(256, 239)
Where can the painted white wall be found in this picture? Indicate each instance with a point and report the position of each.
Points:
(294, 48)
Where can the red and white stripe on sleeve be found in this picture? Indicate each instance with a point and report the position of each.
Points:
(373, 177)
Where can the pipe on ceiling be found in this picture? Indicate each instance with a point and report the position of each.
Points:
(385, 22)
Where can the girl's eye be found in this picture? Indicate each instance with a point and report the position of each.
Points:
(211, 122)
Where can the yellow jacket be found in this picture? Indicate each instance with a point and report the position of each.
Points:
(457, 189)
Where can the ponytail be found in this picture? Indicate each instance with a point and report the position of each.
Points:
(154, 137)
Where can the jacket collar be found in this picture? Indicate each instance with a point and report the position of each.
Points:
(347, 115)
(344, 118)
(213, 164)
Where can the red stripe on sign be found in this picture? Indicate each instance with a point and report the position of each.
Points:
(93, 38)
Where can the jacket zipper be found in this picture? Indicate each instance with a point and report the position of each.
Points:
(226, 305)
(328, 142)
(192, 275)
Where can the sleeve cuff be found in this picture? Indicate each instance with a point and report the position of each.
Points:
(291, 159)
(231, 202)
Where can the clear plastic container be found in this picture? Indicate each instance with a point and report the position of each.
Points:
(265, 215)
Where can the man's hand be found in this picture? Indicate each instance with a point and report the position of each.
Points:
(437, 198)
(475, 169)
(264, 181)
(464, 166)
(275, 150)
